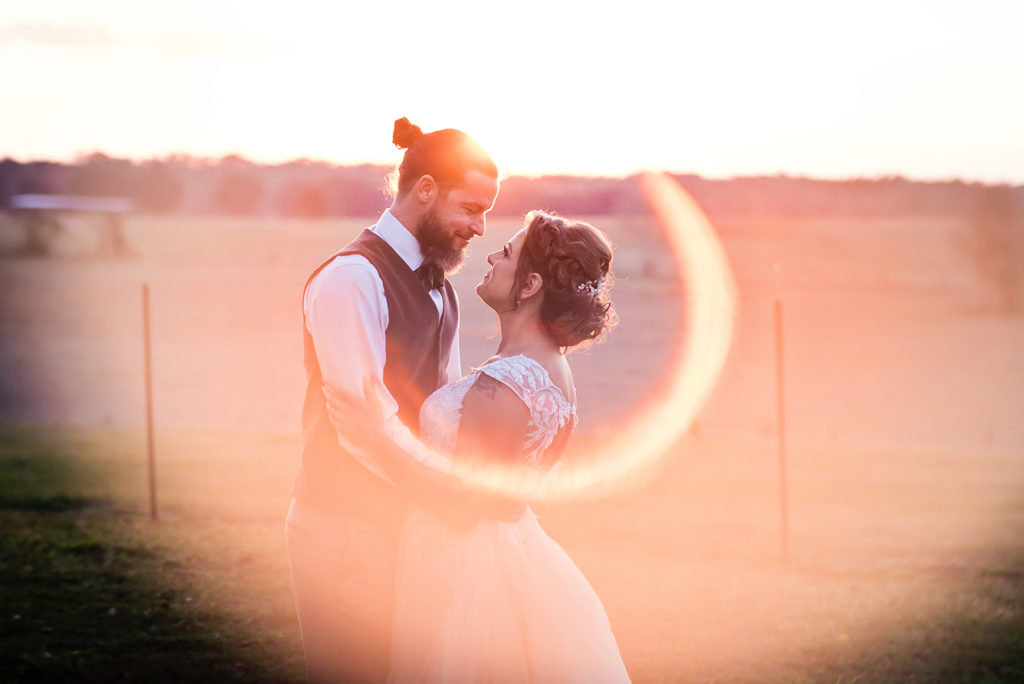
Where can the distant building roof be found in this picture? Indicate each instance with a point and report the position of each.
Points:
(110, 205)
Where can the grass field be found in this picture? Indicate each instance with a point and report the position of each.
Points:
(905, 472)
(92, 590)
(689, 571)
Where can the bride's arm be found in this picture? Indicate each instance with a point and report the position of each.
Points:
(494, 425)
(492, 434)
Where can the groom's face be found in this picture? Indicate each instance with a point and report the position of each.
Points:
(457, 215)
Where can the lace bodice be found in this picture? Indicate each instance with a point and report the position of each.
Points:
(549, 409)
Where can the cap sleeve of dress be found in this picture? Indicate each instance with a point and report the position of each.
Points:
(549, 409)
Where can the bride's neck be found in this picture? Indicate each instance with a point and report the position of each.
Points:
(523, 335)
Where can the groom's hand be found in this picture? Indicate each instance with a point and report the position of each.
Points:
(507, 510)
(464, 514)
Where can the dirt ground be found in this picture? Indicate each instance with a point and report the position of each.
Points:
(890, 336)
(904, 390)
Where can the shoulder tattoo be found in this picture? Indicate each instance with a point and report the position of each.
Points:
(486, 385)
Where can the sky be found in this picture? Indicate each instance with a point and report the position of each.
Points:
(928, 90)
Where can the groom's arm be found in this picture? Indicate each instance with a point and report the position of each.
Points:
(347, 316)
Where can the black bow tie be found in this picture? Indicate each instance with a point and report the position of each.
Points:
(432, 275)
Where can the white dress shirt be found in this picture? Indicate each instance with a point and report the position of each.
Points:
(347, 316)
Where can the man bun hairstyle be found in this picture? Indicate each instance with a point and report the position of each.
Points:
(445, 155)
(406, 134)
(574, 261)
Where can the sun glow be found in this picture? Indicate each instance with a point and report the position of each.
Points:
(718, 89)
(709, 310)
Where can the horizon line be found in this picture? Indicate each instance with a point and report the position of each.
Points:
(82, 158)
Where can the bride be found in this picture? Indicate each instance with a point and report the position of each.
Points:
(483, 594)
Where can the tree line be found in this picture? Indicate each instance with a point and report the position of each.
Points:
(235, 186)
(991, 215)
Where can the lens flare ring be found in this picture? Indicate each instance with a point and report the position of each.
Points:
(709, 308)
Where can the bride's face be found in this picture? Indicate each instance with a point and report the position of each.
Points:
(496, 287)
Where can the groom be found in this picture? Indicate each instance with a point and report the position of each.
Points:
(381, 305)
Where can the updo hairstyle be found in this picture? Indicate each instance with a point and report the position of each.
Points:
(445, 155)
(574, 260)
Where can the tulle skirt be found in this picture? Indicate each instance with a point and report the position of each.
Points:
(502, 603)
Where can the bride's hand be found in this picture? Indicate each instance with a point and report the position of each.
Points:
(358, 419)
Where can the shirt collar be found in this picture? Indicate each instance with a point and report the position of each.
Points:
(405, 244)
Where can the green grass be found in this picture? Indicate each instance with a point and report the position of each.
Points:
(895, 584)
(92, 590)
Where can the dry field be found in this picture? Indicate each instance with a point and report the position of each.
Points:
(904, 395)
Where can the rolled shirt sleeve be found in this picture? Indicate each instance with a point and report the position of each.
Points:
(347, 317)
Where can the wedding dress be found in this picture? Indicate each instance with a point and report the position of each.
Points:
(501, 602)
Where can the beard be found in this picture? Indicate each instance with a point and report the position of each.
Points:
(436, 244)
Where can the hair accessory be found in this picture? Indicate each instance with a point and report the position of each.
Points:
(591, 288)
